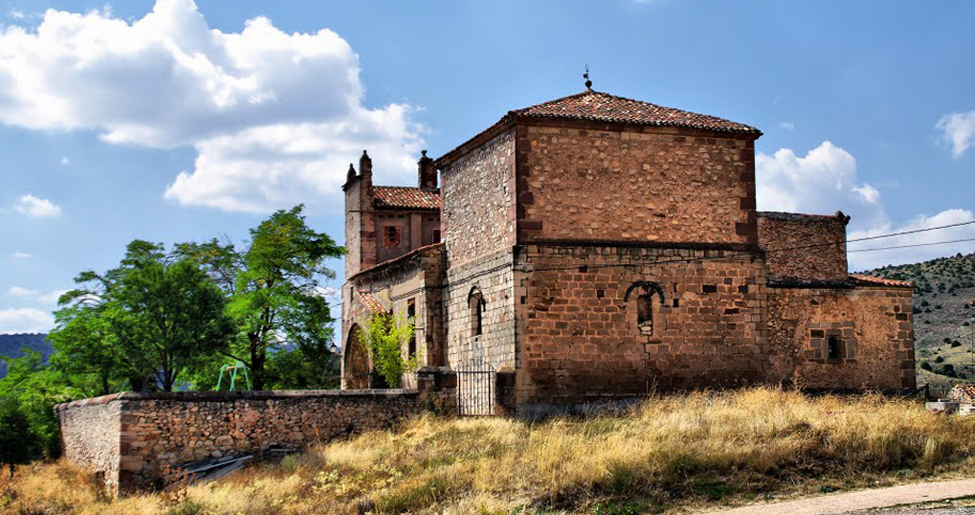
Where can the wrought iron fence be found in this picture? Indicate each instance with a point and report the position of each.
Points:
(475, 389)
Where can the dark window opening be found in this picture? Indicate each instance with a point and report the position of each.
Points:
(436, 235)
(709, 288)
(411, 315)
(477, 312)
(391, 236)
(833, 349)
(676, 303)
(644, 313)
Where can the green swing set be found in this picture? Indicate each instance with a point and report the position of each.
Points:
(231, 371)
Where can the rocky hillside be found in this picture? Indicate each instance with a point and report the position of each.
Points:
(944, 305)
(11, 344)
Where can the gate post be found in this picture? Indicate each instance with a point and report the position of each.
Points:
(437, 387)
(505, 403)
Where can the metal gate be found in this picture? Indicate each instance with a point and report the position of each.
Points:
(475, 389)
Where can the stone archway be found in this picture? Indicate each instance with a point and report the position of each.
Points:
(356, 370)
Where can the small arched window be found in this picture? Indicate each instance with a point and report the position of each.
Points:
(475, 302)
(645, 292)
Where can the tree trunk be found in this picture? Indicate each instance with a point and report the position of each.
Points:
(258, 358)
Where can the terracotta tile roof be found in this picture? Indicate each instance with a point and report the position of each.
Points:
(603, 107)
(962, 392)
(869, 280)
(402, 197)
(371, 302)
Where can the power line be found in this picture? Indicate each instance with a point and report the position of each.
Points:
(785, 249)
(890, 235)
(914, 245)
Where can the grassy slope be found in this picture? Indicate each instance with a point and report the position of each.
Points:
(673, 453)
(943, 305)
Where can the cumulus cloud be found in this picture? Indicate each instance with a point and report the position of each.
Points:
(957, 132)
(21, 255)
(37, 207)
(825, 180)
(25, 320)
(273, 116)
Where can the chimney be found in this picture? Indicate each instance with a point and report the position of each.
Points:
(426, 173)
(365, 165)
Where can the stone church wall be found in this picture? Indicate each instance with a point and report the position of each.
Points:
(655, 185)
(804, 235)
(874, 326)
(493, 276)
(581, 343)
(478, 200)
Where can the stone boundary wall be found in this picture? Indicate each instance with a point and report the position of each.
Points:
(129, 439)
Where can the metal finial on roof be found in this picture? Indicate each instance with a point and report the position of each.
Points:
(586, 76)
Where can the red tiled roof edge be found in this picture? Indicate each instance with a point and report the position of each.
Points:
(370, 302)
(869, 280)
(406, 197)
(663, 119)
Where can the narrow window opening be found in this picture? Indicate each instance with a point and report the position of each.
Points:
(391, 236)
(411, 315)
(833, 348)
(477, 312)
(644, 313)
(436, 235)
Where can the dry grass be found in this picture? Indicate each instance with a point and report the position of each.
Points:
(668, 454)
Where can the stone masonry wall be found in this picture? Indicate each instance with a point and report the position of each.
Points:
(873, 325)
(146, 431)
(416, 278)
(90, 435)
(478, 200)
(655, 185)
(789, 231)
(580, 341)
(493, 276)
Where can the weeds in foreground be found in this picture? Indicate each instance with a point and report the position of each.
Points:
(694, 449)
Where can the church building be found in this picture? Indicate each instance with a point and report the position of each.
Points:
(595, 248)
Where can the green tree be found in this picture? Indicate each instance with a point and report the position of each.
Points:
(275, 285)
(17, 443)
(384, 338)
(154, 317)
(36, 388)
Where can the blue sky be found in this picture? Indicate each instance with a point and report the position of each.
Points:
(173, 121)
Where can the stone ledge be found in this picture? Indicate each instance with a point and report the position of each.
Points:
(234, 396)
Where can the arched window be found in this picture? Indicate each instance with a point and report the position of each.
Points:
(645, 292)
(475, 302)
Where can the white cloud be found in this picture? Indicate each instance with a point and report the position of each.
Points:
(25, 320)
(825, 180)
(65, 161)
(787, 126)
(958, 132)
(867, 260)
(17, 291)
(21, 255)
(17, 15)
(34, 206)
(275, 117)
(52, 296)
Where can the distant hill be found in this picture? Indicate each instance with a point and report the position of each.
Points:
(944, 303)
(10, 345)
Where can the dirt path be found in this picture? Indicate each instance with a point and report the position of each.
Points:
(863, 500)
